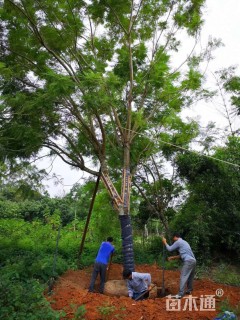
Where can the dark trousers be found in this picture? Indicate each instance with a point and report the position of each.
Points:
(143, 297)
(99, 268)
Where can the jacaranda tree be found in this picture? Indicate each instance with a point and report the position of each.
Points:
(96, 80)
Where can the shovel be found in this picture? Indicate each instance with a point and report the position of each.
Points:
(108, 268)
(163, 271)
(142, 294)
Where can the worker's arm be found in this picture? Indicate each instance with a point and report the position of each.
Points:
(173, 247)
(146, 277)
(174, 258)
(148, 280)
(110, 260)
(130, 290)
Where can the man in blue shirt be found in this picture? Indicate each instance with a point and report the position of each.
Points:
(137, 284)
(189, 263)
(100, 266)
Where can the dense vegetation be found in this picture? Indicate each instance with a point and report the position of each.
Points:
(40, 236)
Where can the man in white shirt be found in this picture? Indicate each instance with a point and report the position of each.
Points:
(137, 284)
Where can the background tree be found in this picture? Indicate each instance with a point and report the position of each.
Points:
(158, 193)
(85, 79)
(232, 86)
(228, 89)
(210, 216)
(21, 180)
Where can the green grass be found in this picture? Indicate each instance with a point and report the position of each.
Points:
(227, 274)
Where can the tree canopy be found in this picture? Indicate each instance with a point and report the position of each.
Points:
(97, 80)
(84, 79)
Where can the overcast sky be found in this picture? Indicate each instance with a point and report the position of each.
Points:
(222, 20)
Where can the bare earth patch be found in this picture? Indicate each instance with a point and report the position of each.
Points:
(71, 291)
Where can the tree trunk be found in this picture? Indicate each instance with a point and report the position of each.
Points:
(145, 231)
(127, 242)
(121, 204)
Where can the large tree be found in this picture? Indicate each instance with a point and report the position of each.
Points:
(95, 80)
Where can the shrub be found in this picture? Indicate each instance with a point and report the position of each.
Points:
(23, 300)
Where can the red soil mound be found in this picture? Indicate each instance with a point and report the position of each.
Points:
(71, 291)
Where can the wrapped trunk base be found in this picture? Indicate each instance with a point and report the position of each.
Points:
(127, 242)
(119, 288)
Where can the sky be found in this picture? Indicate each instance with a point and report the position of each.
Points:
(221, 21)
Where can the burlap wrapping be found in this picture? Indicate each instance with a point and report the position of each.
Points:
(116, 288)
(119, 288)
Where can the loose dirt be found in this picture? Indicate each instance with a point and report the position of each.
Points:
(71, 291)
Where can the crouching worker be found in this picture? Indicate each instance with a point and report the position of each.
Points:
(137, 284)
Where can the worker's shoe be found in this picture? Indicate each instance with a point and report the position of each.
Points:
(177, 296)
(188, 292)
